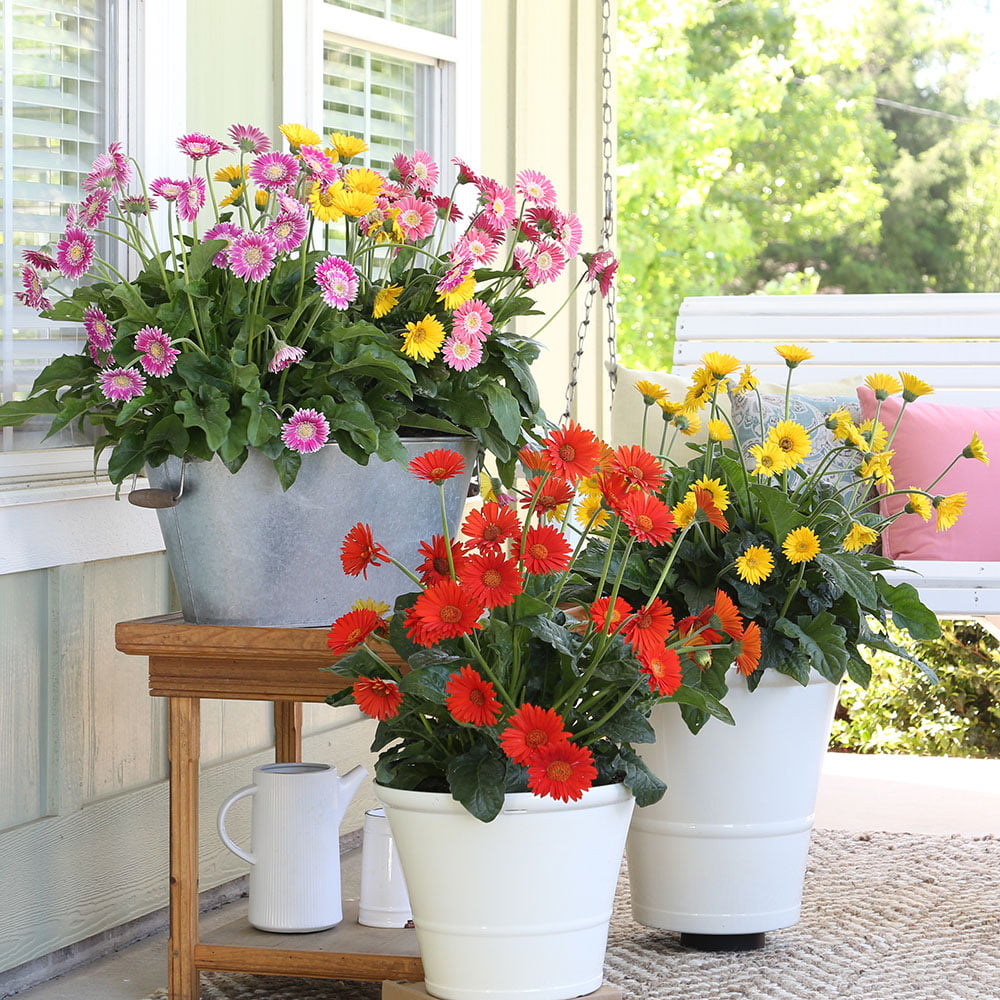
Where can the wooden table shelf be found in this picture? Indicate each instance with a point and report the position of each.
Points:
(280, 665)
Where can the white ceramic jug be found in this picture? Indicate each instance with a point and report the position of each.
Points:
(295, 844)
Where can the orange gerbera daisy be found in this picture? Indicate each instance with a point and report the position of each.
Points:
(647, 630)
(377, 698)
(534, 459)
(491, 526)
(437, 465)
(443, 611)
(614, 488)
(724, 615)
(351, 629)
(548, 495)
(562, 771)
(647, 518)
(360, 550)
(492, 579)
(608, 620)
(435, 566)
(747, 649)
(545, 550)
(572, 451)
(529, 730)
(705, 501)
(664, 671)
(471, 699)
(639, 467)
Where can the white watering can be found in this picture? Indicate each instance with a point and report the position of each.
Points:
(295, 844)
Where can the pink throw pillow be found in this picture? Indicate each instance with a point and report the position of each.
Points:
(929, 436)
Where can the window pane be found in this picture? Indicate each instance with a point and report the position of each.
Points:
(432, 15)
(53, 66)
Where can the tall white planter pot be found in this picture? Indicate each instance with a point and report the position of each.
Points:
(514, 909)
(722, 856)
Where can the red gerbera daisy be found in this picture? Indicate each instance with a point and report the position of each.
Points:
(724, 615)
(639, 467)
(545, 550)
(534, 459)
(350, 630)
(488, 528)
(471, 698)
(647, 630)
(443, 611)
(562, 770)
(664, 670)
(706, 503)
(573, 451)
(437, 465)
(359, 551)
(614, 489)
(548, 495)
(377, 698)
(435, 566)
(647, 518)
(530, 729)
(603, 620)
(492, 579)
(748, 649)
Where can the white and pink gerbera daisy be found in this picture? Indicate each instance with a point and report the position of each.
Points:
(197, 145)
(424, 170)
(75, 252)
(94, 208)
(40, 259)
(167, 188)
(546, 263)
(158, 356)
(499, 205)
(274, 170)
(100, 332)
(306, 431)
(535, 187)
(191, 199)
(222, 231)
(284, 356)
(472, 321)
(338, 282)
(251, 256)
(137, 204)
(477, 245)
(250, 139)
(33, 292)
(121, 384)
(288, 230)
(121, 169)
(460, 354)
(416, 217)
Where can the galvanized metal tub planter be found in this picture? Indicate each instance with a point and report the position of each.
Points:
(244, 552)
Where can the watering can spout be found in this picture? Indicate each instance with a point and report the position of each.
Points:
(349, 784)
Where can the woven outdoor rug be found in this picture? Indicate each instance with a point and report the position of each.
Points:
(884, 917)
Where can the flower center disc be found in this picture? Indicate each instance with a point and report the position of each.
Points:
(451, 614)
(559, 770)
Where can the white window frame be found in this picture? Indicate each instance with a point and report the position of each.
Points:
(53, 511)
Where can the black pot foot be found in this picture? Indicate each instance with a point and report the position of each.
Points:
(723, 942)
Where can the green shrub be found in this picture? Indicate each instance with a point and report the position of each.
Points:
(902, 711)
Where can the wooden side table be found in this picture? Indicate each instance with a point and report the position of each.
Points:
(280, 665)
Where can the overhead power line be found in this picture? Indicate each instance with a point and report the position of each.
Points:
(914, 109)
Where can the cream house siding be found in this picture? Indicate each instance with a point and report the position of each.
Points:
(83, 803)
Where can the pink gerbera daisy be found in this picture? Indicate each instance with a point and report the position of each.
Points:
(33, 293)
(284, 356)
(424, 170)
(535, 187)
(158, 356)
(546, 263)
(466, 175)
(100, 332)
(167, 188)
(274, 170)
(101, 176)
(36, 258)
(121, 384)
(75, 252)
(197, 145)
(121, 169)
(401, 168)
(499, 205)
(94, 208)
(250, 139)
(570, 233)
(252, 256)
(306, 431)
(191, 199)
(416, 217)
(477, 245)
(223, 231)
(319, 165)
(338, 281)
(461, 354)
(137, 204)
(288, 230)
(601, 267)
(472, 322)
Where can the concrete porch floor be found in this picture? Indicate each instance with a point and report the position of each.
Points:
(899, 794)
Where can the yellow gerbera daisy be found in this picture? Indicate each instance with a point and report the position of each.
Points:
(260, 199)
(793, 355)
(719, 491)
(878, 468)
(364, 180)
(755, 565)
(685, 511)
(720, 365)
(323, 204)
(920, 504)
(370, 604)
(386, 299)
(235, 195)
(299, 135)
(769, 457)
(460, 294)
(792, 438)
(718, 430)
(860, 536)
(352, 203)
(913, 387)
(702, 388)
(948, 509)
(232, 174)
(883, 385)
(848, 432)
(747, 382)
(423, 339)
(875, 434)
(671, 409)
(837, 420)
(976, 449)
(800, 545)
(687, 423)
(589, 486)
(347, 145)
(651, 392)
(590, 507)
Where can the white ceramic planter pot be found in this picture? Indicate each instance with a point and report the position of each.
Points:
(724, 851)
(517, 908)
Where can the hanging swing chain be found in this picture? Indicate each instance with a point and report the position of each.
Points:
(608, 226)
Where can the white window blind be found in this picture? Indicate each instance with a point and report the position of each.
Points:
(55, 59)
(432, 15)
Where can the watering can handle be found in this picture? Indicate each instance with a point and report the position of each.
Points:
(238, 851)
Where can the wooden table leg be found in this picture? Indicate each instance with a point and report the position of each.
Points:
(184, 749)
(287, 732)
